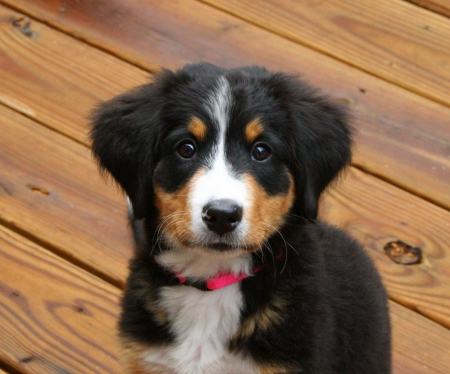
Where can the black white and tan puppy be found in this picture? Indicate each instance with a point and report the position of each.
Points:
(232, 271)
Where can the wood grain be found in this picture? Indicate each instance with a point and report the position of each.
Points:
(438, 6)
(51, 189)
(402, 137)
(56, 79)
(375, 214)
(419, 345)
(55, 318)
(391, 39)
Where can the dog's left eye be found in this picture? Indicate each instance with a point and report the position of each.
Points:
(261, 152)
(186, 150)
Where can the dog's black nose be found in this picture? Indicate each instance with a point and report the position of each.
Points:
(222, 215)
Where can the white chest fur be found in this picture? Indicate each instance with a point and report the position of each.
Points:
(202, 322)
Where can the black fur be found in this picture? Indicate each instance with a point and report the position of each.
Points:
(336, 320)
(334, 316)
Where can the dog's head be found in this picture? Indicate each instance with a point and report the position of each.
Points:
(221, 159)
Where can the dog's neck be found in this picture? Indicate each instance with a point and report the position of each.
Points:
(199, 265)
(207, 272)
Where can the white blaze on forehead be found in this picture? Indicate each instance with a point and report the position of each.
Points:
(219, 105)
(218, 182)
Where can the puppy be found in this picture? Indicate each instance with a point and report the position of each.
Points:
(232, 272)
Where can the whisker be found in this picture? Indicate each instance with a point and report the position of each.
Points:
(162, 228)
(285, 245)
(164, 220)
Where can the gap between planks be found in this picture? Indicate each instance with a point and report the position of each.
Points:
(65, 255)
(4, 366)
(437, 6)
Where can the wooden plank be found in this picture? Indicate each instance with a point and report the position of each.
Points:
(55, 317)
(51, 189)
(392, 39)
(438, 6)
(375, 214)
(55, 79)
(418, 345)
(396, 127)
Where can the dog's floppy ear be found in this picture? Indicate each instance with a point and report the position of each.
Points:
(322, 141)
(124, 137)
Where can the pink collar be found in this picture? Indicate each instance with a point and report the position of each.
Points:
(221, 279)
(211, 284)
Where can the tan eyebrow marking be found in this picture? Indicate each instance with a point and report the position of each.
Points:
(253, 130)
(198, 128)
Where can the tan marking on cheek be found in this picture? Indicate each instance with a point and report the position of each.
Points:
(132, 358)
(267, 213)
(253, 130)
(197, 128)
(174, 210)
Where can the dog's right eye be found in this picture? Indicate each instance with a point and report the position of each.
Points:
(186, 150)
(261, 152)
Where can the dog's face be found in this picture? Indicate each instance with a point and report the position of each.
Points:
(219, 160)
(214, 183)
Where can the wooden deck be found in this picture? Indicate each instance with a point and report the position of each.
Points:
(64, 238)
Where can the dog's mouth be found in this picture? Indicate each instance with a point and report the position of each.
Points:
(220, 246)
(213, 244)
